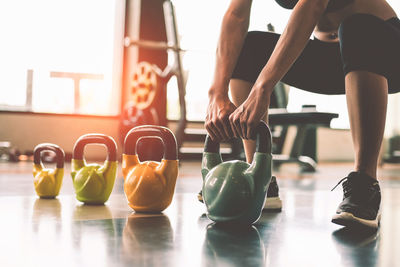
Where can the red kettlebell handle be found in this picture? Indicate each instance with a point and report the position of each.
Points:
(152, 131)
(86, 139)
(263, 141)
(49, 147)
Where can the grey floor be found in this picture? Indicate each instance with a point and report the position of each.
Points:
(63, 232)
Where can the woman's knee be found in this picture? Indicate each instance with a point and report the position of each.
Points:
(257, 41)
(255, 52)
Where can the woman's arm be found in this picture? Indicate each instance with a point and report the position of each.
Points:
(293, 40)
(234, 28)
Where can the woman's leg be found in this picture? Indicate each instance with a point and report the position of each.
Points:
(370, 49)
(366, 95)
(239, 91)
(370, 55)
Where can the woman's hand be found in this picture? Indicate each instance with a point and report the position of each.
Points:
(247, 116)
(217, 119)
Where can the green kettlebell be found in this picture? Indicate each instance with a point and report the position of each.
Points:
(93, 183)
(235, 191)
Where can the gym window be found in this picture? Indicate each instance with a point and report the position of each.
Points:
(61, 56)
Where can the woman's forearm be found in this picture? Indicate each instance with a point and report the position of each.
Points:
(233, 32)
(293, 40)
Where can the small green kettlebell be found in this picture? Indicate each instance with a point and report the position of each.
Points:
(48, 181)
(235, 191)
(93, 183)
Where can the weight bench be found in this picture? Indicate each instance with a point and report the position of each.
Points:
(308, 118)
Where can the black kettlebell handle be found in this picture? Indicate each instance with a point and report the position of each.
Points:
(152, 131)
(263, 141)
(37, 159)
(86, 139)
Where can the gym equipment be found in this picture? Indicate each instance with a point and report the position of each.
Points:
(234, 191)
(140, 110)
(144, 86)
(149, 186)
(93, 183)
(149, 149)
(152, 47)
(155, 51)
(306, 121)
(5, 148)
(48, 182)
(393, 150)
(8, 152)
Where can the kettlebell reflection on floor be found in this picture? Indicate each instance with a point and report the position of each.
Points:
(147, 239)
(93, 223)
(45, 209)
(230, 245)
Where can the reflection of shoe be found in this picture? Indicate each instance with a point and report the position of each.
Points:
(273, 201)
(361, 201)
(200, 196)
(350, 241)
(355, 238)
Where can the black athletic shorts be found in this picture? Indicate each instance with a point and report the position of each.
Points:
(366, 43)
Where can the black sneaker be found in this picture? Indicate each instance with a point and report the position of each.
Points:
(361, 201)
(273, 202)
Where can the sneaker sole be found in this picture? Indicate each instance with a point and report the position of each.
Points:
(273, 204)
(349, 220)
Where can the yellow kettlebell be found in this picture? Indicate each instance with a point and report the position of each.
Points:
(48, 181)
(149, 186)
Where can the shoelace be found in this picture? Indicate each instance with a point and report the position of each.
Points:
(348, 186)
(341, 181)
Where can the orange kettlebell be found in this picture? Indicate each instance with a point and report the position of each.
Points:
(48, 181)
(149, 186)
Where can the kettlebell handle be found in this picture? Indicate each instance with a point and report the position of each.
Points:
(49, 147)
(152, 131)
(263, 141)
(95, 139)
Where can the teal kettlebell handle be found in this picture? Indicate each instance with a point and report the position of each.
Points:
(152, 131)
(263, 141)
(95, 139)
(49, 147)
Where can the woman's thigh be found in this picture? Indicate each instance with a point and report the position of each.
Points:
(318, 69)
(371, 44)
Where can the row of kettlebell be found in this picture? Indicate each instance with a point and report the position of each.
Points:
(149, 186)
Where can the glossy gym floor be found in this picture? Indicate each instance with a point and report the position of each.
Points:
(63, 232)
